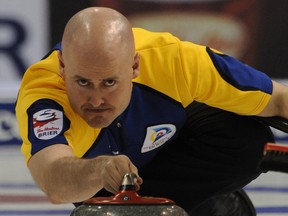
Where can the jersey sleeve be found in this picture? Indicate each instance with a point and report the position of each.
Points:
(46, 124)
(221, 81)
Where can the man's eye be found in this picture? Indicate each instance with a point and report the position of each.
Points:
(110, 83)
(83, 82)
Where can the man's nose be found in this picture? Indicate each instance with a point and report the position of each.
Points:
(96, 98)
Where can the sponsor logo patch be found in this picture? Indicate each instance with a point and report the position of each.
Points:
(157, 135)
(47, 123)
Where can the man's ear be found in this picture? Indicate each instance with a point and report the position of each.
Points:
(61, 64)
(136, 65)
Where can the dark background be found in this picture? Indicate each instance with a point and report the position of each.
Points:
(271, 33)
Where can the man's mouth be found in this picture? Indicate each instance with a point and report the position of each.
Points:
(93, 110)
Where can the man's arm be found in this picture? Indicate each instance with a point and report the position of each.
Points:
(278, 104)
(65, 178)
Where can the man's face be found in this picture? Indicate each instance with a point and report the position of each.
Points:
(98, 91)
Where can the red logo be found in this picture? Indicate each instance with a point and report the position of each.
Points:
(44, 118)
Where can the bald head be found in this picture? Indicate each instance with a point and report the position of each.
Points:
(99, 33)
(98, 63)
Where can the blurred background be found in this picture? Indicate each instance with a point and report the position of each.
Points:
(253, 31)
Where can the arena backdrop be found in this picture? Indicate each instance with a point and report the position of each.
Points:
(23, 40)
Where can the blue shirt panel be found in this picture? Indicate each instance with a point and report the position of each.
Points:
(147, 108)
(240, 75)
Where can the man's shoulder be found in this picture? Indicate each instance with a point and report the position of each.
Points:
(145, 39)
(49, 62)
(42, 80)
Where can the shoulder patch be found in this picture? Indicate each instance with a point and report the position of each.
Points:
(157, 135)
(47, 123)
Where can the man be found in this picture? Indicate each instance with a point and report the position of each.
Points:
(172, 112)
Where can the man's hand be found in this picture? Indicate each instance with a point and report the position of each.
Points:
(66, 178)
(113, 170)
